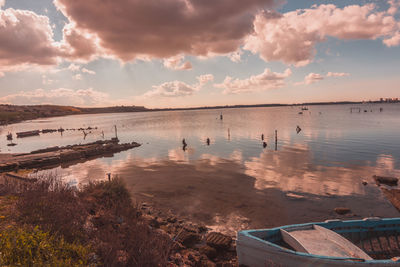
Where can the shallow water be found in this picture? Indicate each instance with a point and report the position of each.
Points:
(234, 182)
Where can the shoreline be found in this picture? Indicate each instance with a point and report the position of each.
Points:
(13, 113)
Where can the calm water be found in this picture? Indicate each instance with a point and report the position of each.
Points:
(234, 182)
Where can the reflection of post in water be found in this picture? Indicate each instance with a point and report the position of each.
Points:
(184, 145)
(298, 129)
(264, 144)
(276, 140)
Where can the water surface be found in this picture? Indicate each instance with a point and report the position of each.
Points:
(235, 182)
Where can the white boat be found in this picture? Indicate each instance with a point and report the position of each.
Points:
(368, 242)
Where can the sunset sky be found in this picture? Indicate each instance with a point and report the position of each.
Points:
(181, 53)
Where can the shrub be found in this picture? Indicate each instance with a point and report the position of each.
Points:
(36, 248)
(54, 207)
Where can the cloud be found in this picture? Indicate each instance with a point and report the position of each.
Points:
(158, 29)
(46, 80)
(176, 63)
(312, 78)
(337, 74)
(85, 70)
(60, 96)
(236, 56)
(316, 77)
(74, 68)
(264, 81)
(178, 88)
(26, 39)
(291, 37)
(77, 77)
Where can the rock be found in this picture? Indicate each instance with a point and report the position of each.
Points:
(391, 181)
(341, 210)
(187, 238)
(202, 229)
(364, 182)
(206, 263)
(210, 252)
(218, 240)
(172, 220)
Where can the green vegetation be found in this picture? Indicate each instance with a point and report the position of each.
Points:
(48, 223)
(33, 247)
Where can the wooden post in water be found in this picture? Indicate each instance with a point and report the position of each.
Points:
(276, 140)
(116, 132)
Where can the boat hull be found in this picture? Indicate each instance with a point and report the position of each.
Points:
(254, 249)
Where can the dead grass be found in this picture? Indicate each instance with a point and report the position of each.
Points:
(101, 216)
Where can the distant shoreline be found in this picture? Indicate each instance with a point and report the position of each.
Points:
(10, 114)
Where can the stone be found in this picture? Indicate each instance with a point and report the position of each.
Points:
(391, 181)
(342, 210)
(218, 240)
(202, 228)
(188, 239)
(364, 182)
(210, 252)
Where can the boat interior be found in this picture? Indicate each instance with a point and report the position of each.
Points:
(369, 240)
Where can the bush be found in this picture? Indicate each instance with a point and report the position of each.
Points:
(54, 207)
(36, 248)
(100, 215)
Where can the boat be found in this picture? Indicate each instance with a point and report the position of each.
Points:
(368, 242)
(28, 133)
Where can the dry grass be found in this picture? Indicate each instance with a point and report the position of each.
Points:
(100, 216)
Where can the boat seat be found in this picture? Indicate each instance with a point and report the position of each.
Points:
(321, 241)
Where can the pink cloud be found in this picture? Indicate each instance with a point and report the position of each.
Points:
(25, 39)
(264, 81)
(312, 78)
(316, 77)
(337, 74)
(133, 29)
(85, 70)
(60, 96)
(291, 37)
(177, 63)
(178, 88)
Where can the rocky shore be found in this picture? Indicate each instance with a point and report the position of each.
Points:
(54, 156)
(193, 244)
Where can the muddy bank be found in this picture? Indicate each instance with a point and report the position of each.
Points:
(54, 156)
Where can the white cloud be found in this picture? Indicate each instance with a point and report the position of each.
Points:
(88, 71)
(77, 77)
(316, 77)
(60, 96)
(337, 74)
(46, 80)
(264, 81)
(178, 88)
(291, 37)
(177, 63)
(236, 56)
(74, 68)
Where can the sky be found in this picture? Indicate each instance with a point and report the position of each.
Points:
(187, 53)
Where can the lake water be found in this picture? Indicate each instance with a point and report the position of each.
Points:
(234, 182)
